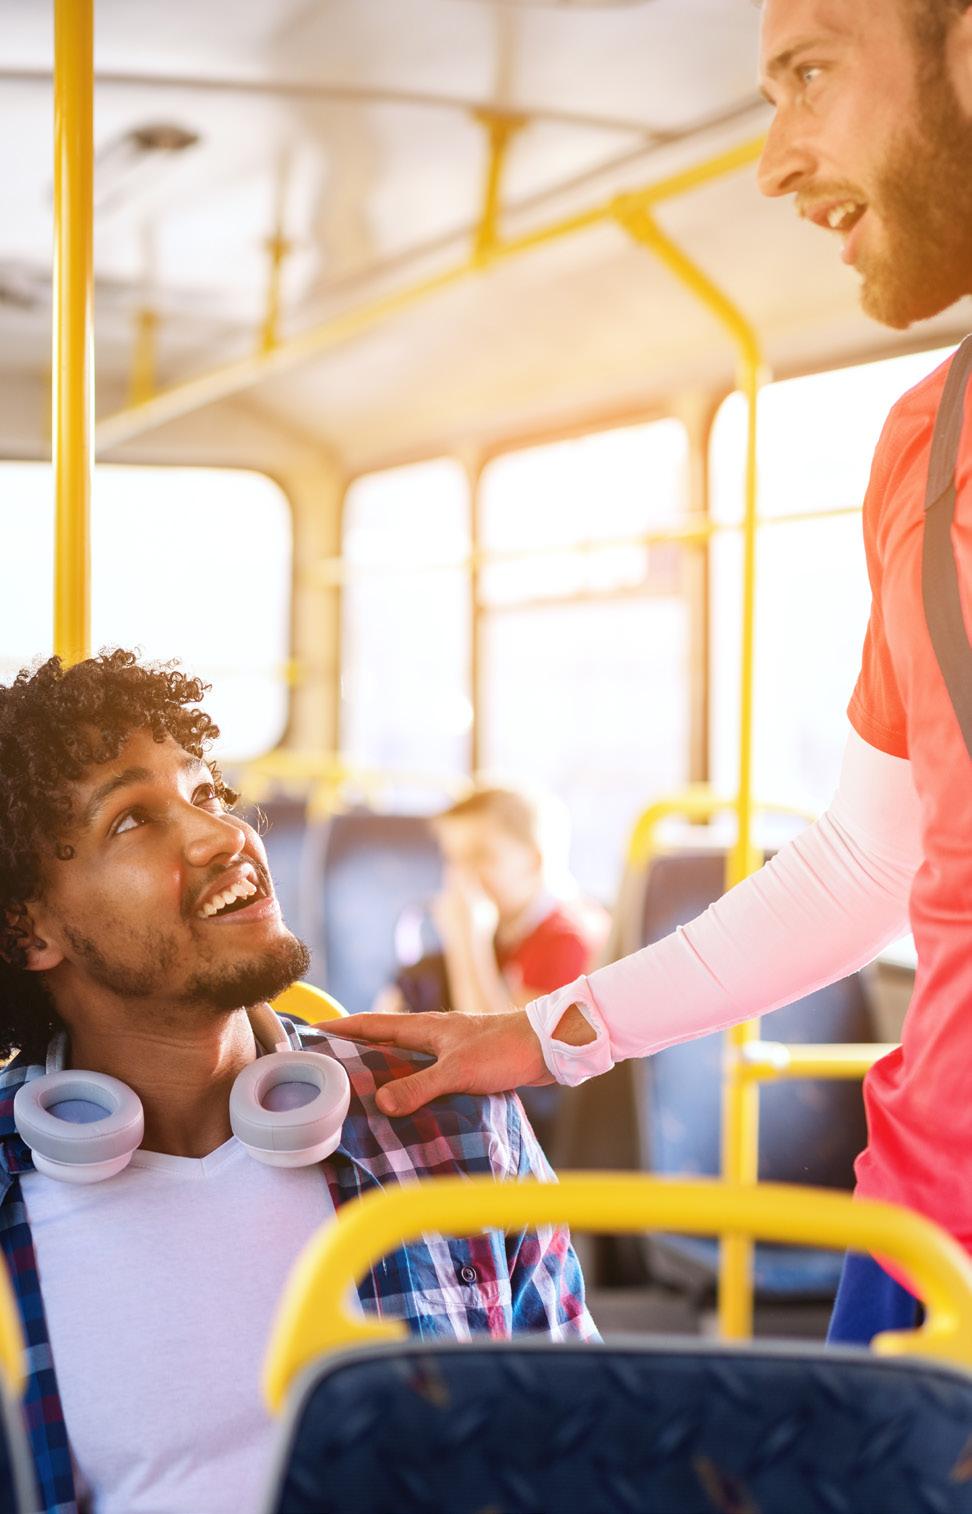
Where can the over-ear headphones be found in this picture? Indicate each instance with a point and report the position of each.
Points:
(287, 1108)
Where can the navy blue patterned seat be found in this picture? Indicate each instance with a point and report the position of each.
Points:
(363, 872)
(809, 1131)
(289, 839)
(17, 1488)
(633, 1428)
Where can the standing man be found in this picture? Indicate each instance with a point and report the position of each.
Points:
(872, 137)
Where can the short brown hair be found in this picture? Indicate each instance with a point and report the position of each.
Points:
(512, 811)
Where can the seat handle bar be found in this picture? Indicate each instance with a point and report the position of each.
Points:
(314, 1318)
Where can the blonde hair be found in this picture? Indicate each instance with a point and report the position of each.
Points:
(537, 820)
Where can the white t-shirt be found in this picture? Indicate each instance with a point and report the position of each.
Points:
(160, 1286)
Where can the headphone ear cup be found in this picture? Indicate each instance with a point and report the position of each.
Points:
(81, 1127)
(288, 1107)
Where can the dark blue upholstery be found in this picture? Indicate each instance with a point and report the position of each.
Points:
(664, 1428)
(364, 871)
(288, 839)
(17, 1486)
(809, 1132)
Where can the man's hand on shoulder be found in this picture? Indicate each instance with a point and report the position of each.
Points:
(474, 1054)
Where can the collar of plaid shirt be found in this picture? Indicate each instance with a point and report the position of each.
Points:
(489, 1284)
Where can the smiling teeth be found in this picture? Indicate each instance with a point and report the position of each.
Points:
(840, 213)
(242, 890)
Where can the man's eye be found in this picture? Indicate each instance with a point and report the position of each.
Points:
(807, 73)
(130, 821)
(206, 794)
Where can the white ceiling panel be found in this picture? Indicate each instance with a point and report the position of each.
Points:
(351, 123)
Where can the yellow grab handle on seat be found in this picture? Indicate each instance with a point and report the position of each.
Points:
(313, 1318)
(308, 1003)
(13, 1366)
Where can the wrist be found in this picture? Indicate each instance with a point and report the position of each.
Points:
(573, 1028)
(572, 1035)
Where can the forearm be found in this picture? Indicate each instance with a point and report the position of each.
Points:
(825, 905)
(475, 981)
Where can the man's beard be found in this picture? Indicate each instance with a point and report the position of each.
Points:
(245, 983)
(924, 202)
(251, 982)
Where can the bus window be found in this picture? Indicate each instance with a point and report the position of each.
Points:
(193, 563)
(817, 436)
(405, 666)
(585, 681)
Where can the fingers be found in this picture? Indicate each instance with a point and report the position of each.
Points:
(415, 1032)
(405, 1095)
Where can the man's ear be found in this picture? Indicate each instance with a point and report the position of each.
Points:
(42, 952)
(43, 955)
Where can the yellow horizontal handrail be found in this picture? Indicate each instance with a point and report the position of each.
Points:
(693, 530)
(233, 377)
(772, 1061)
(328, 773)
(314, 1318)
(697, 802)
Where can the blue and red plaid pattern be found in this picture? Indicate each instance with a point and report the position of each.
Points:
(489, 1284)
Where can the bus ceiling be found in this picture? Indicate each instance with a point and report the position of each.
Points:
(280, 169)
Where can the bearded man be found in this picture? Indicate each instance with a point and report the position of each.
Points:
(138, 924)
(872, 137)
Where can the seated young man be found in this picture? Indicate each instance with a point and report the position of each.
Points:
(512, 922)
(139, 921)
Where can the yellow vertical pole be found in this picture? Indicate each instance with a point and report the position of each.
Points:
(142, 384)
(500, 130)
(740, 1097)
(73, 365)
(278, 248)
(740, 1110)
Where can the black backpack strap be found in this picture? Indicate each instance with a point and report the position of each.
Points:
(939, 570)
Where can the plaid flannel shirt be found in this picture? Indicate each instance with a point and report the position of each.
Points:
(488, 1284)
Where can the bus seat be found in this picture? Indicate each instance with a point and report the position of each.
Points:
(284, 830)
(809, 1132)
(364, 871)
(16, 1467)
(373, 1419)
(634, 1428)
(308, 1003)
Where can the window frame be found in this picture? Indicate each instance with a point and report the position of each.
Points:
(474, 466)
(222, 466)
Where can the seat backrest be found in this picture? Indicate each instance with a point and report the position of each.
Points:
(17, 1485)
(809, 1132)
(282, 824)
(634, 1428)
(363, 871)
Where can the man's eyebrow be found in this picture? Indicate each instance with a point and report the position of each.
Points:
(783, 61)
(125, 780)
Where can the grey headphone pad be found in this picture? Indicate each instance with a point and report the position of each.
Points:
(76, 1145)
(290, 1136)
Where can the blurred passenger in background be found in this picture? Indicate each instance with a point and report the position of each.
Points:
(510, 917)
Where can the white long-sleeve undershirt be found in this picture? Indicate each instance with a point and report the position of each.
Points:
(821, 908)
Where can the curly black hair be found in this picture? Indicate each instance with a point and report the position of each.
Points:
(55, 724)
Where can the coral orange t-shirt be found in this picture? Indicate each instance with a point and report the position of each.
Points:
(919, 1099)
(557, 949)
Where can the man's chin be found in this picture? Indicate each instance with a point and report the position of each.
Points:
(900, 299)
(252, 982)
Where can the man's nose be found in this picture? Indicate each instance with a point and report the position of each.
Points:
(209, 836)
(787, 160)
